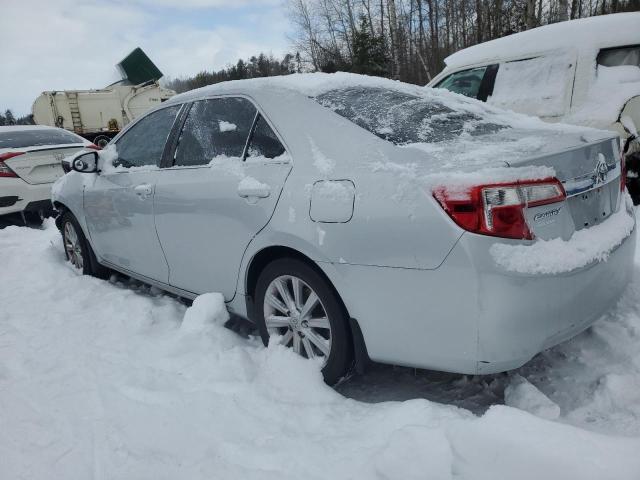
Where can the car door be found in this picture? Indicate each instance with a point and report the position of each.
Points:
(119, 204)
(227, 174)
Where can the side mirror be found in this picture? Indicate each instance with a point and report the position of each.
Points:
(85, 162)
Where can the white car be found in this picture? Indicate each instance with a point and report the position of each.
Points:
(584, 72)
(30, 161)
(356, 217)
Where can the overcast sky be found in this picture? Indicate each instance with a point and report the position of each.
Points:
(75, 44)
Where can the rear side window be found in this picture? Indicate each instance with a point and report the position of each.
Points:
(615, 57)
(466, 82)
(264, 143)
(37, 138)
(217, 127)
(403, 118)
(144, 142)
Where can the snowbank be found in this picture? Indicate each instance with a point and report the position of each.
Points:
(559, 256)
(113, 380)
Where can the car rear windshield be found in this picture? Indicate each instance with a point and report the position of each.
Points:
(403, 118)
(37, 138)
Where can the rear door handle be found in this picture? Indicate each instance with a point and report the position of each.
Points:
(256, 190)
(143, 191)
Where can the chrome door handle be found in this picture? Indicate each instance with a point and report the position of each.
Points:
(143, 191)
(259, 191)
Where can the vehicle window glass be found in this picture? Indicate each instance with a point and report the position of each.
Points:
(466, 82)
(264, 142)
(144, 142)
(215, 128)
(403, 118)
(537, 86)
(615, 57)
(17, 138)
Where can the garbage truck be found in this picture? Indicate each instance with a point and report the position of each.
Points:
(98, 115)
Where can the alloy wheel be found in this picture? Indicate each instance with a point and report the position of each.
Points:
(293, 310)
(72, 246)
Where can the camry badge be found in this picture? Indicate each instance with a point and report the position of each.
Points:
(601, 171)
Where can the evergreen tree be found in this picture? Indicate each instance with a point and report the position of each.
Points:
(369, 53)
(9, 119)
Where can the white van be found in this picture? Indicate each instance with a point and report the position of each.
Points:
(585, 72)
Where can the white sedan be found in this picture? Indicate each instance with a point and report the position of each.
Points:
(30, 161)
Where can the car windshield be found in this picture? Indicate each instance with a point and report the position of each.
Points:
(403, 118)
(37, 138)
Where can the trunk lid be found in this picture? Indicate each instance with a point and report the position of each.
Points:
(590, 173)
(43, 164)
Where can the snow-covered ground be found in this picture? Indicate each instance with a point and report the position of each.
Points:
(113, 380)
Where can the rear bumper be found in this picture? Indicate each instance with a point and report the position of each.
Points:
(469, 316)
(521, 315)
(16, 195)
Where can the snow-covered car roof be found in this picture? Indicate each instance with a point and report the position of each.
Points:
(37, 137)
(591, 33)
(303, 108)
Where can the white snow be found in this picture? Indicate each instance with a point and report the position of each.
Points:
(324, 164)
(590, 33)
(520, 393)
(321, 234)
(559, 256)
(113, 380)
(612, 88)
(250, 183)
(227, 126)
(537, 86)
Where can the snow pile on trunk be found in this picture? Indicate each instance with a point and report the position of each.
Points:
(559, 256)
(111, 380)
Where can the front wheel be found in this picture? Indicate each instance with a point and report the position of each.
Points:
(78, 250)
(295, 302)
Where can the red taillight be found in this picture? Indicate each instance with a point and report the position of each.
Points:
(498, 209)
(5, 171)
(93, 146)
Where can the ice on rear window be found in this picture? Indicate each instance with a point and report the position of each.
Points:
(37, 138)
(403, 118)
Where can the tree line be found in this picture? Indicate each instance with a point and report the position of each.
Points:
(406, 40)
(262, 65)
(8, 118)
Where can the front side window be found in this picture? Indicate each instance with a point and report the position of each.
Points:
(616, 57)
(403, 118)
(214, 128)
(264, 143)
(144, 142)
(466, 82)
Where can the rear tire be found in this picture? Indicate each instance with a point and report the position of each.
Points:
(302, 306)
(78, 250)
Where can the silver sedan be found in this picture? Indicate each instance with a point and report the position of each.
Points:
(354, 218)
